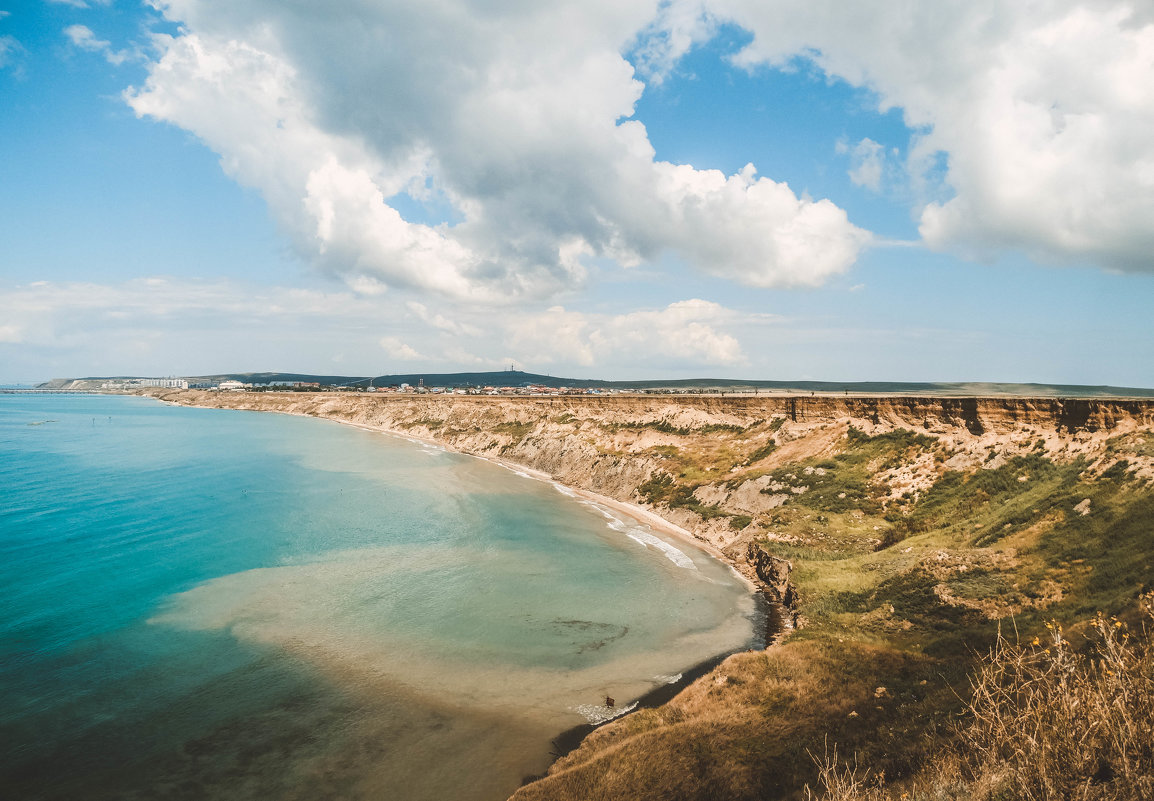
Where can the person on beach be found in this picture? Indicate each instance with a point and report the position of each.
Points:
(609, 702)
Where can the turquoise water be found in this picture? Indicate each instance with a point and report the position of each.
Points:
(215, 604)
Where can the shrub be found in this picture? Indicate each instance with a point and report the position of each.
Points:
(739, 522)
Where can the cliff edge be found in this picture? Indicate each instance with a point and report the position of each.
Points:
(898, 533)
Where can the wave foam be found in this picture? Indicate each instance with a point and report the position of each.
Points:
(649, 540)
(641, 534)
(428, 448)
(598, 713)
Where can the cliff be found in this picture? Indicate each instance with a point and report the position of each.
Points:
(898, 532)
(716, 451)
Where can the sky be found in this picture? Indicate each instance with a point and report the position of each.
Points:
(619, 189)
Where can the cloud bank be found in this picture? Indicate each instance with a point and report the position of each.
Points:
(684, 334)
(515, 116)
(1041, 111)
(488, 151)
(193, 326)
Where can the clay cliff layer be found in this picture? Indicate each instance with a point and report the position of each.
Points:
(705, 463)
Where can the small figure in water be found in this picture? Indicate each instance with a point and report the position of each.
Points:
(609, 702)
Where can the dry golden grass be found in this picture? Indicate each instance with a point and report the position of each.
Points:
(1045, 721)
(745, 730)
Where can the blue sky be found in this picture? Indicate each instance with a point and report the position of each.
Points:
(952, 192)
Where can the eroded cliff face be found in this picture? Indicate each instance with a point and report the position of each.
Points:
(712, 465)
(899, 531)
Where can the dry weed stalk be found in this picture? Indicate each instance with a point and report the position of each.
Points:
(1045, 722)
(1048, 722)
(844, 782)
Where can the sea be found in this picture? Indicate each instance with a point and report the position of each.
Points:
(217, 604)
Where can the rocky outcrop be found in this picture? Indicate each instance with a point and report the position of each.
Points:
(774, 574)
(778, 590)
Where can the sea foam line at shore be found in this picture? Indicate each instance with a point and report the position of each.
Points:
(633, 511)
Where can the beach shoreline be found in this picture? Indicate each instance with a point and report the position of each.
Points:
(570, 739)
(637, 513)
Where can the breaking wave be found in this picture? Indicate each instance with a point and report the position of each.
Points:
(599, 713)
(650, 540)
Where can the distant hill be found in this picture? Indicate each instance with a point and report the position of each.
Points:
(503, 378)
(516, 378)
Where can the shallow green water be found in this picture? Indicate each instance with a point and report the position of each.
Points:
(216, 604)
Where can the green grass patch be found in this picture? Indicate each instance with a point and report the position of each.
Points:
(518, 431)
(1139, 443)
(666, 427)
(845, 482)
(739, 522)
(1110, 549)
(765, 450)
(719, 428)
(662, 489)
(663, 426)
(989, 504)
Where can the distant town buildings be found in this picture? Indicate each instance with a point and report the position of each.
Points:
(235, 385)
(132, 383)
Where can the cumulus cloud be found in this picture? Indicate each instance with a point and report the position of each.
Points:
(516, 114)
(82, 37)
(677, 28)
(441, 322)
(1042, 111)
(396, 349)
(685, 334)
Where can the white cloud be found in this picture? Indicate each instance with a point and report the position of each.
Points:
(867, 163)
(165, 325)
(756, 231)
(441, 322)
(69, 313)
(397, 349)
(1043, 109)
(677, 28)
(172, 325)
(515, 113)
(82, 36)
(684, 334)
